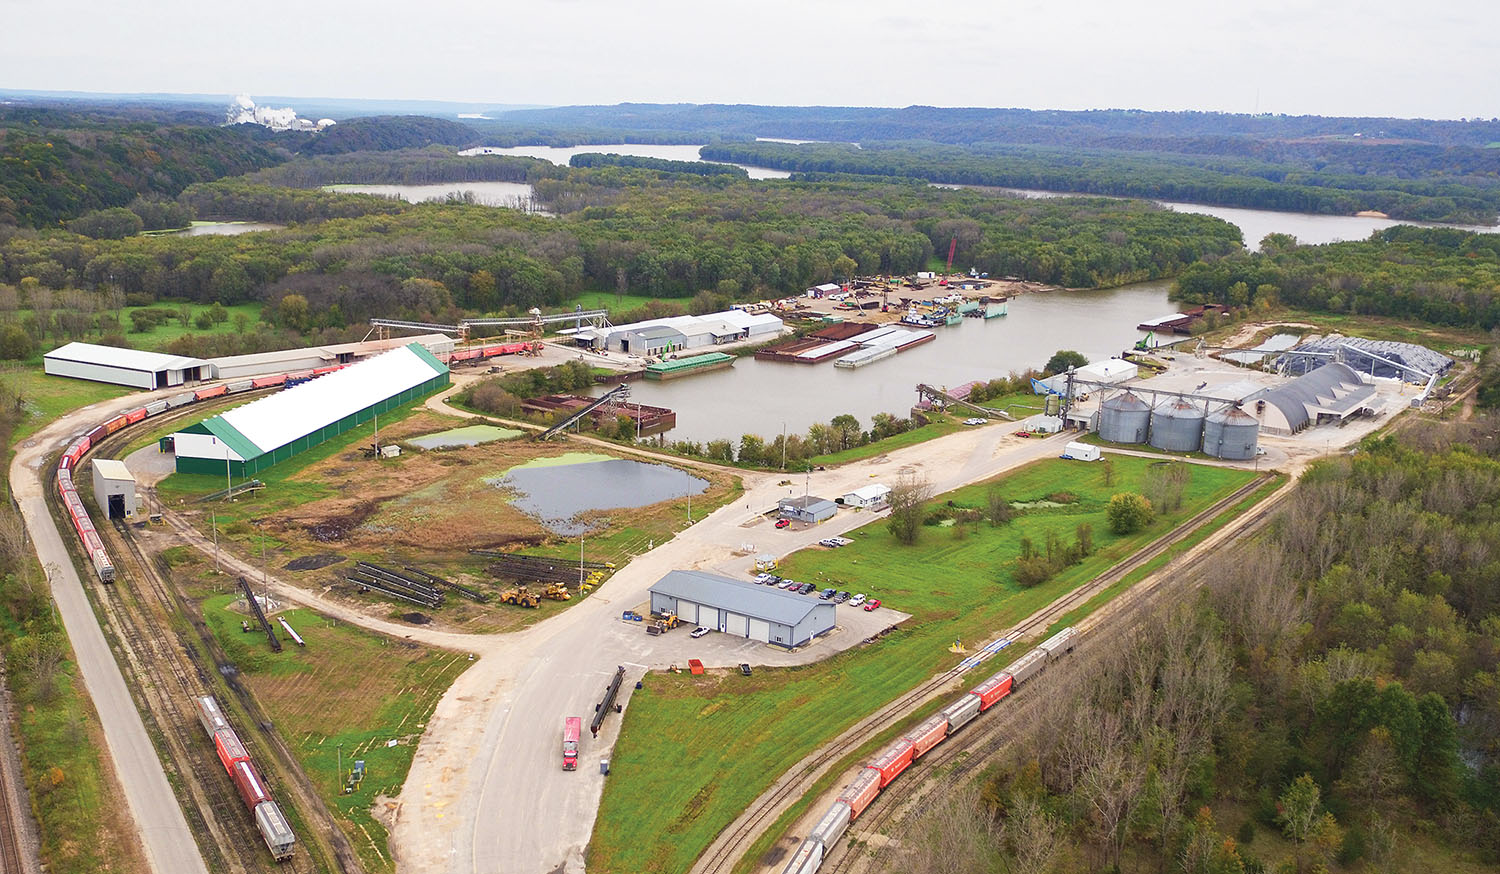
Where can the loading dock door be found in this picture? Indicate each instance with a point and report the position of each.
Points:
(734, 624)
(760, 630)
(117, 506)
(687, 611)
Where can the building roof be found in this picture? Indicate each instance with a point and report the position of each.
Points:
(744, 320)
(126, 359)
(272, 422)
(871, 492)
(747, 599)
(1410, 354)
(331, 353)
(653, 332)
(1334, 387)
(806, 502)
(1108, 370)
(111, 468)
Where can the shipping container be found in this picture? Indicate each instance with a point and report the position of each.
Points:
(927, 735)
(275, 830)
(892, 761)
(832, 826)
(861, 792)
(960, 712)
(230, 748)
(1026, 667)
(210, 715)
(252, 787)
(807, 859)
(992, 690)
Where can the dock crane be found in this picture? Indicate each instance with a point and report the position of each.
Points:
(952, 247)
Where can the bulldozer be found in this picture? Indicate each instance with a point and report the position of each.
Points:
(521, 597)
(557, 592)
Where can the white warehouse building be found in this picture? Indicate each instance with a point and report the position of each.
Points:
(675, 333)
(130, 367)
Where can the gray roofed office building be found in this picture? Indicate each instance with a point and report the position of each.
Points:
(807, 508)
(1332, 393)
(743, 609)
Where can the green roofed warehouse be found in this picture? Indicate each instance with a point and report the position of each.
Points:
(275, 428)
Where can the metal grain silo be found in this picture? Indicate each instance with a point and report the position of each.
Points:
(1231, 433)
(1124, 418)
(1176, 425)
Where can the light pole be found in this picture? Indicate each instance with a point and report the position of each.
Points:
(580, 564)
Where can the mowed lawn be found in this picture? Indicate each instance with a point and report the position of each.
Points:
(695, 751)
(348, 695)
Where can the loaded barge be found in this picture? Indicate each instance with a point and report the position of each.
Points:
(689, 366)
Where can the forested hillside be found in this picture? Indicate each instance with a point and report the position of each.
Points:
(646, 232)
(1333, 703)
(1434, 275)
(1435, 195)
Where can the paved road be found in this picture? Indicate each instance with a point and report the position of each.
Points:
(486, 791)
(167, 842)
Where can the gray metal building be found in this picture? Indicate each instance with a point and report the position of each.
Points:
(807, 508)
(132, 367)
(648, 340)
(763, 613)
(114, 488)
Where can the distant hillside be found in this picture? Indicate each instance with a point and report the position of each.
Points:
(1104, 127)
(387, 132)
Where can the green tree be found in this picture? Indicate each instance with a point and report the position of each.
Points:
(907, 498)
(218, 314)
(116, 223)
(1061, 360)
(1129, 512)
(15, 343)
(847, 429)
(292, 311)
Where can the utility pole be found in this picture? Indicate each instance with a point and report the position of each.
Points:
(215, 518)
(580, 564)
(783, 446)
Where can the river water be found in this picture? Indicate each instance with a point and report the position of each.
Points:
(515, 195)
(758, 397)
(562, 155)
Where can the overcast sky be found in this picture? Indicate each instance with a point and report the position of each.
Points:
(1435, 59)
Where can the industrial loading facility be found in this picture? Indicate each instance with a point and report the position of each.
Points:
(131, 367)
(1332, 393)
(251, 438)
(762, 613)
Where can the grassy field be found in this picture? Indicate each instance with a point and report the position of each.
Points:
(348, 695)
(44, 398)
(615, 303)
(662, 808)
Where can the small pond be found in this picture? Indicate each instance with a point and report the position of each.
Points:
(556, 494)
(453, 438)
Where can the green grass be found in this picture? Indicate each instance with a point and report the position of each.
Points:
(941, 427)
(1093, 438)
(45, 398)
(163, 334)
(608, 300)
(662, 808)
(1019, 404)
(333, 709)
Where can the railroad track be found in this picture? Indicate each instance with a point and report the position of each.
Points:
(961, 756)
(12, 856)
(727, 849)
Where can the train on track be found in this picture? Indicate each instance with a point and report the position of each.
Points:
(888, 764)
(72, 457)
(269, 820)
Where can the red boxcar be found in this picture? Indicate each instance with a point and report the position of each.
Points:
(96, 435)
(861, 792)
(135, 415)
(115, 424)
(230, 749)
(252, 787)
(992, 690)
(927, 735)
(892, 761)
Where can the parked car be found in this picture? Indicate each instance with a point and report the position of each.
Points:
(744, 669)
(807, 587)
(782, 523)
(699, 632)
(827, 594)
(975, 421)
(784, 584)
(872, 604)
(857, 600)
(841, 597)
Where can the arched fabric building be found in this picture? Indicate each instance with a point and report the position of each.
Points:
(1332, 393)
(251, 438)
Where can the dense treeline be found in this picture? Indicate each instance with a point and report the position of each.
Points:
(1212, 180)
(1435, 275)
(698, 168)
(973, 125)
(387, 132)
(49, 174)
(426, 166)
(665, 235)
(1338, 688)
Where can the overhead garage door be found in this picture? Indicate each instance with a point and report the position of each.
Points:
(735, 624)
(687, 611)
(708, 617)
(760, 630)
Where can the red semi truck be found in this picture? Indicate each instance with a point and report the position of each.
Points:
(572, 728)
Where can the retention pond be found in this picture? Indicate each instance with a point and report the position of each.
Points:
(558, 492)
